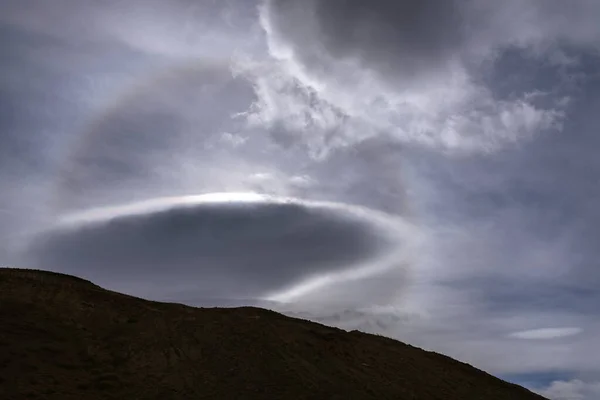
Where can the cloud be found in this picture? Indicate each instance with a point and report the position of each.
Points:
(545, 333)
(416, 37)
(475, 121)
(572, 390)
(413, 71)
(167, 29)
(180, 116)
(48, 83)
(510, 245)
(463, 331)
(403, 40)
(237, 246)
(508, 239)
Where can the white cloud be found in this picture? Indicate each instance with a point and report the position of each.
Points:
(285, 104)
(365, 89)
(572, 390)
(545, 333)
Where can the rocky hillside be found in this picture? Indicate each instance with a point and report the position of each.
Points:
(64, 338)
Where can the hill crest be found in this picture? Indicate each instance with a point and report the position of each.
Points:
(66, 338)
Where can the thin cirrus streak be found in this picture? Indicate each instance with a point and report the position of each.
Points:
(382, 265)
(546, 333)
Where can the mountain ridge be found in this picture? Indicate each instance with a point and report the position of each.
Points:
(67, 338)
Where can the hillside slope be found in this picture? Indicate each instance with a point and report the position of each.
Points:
(62, 337)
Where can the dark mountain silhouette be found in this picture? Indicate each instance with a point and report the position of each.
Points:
(65, 338)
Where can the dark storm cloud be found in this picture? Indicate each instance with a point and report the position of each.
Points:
(410, 38)
(242, 250)
(396, 38)
(401, 40)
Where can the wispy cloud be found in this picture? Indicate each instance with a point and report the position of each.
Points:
(545, 333)
(572, 390)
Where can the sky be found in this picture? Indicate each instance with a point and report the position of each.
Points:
(423, 170)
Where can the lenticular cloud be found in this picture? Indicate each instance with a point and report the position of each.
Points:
(227, 245)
